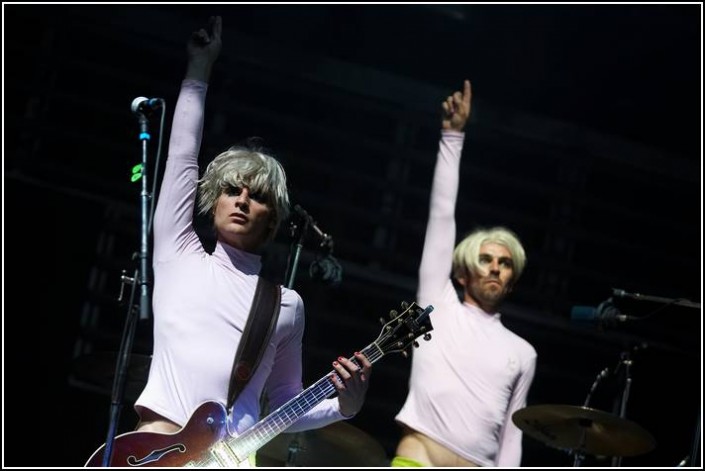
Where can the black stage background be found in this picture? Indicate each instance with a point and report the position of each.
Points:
(585, 138)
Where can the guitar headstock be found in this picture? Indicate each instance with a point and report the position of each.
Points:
(399, 333)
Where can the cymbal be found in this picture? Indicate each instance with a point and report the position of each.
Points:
(338, 444)
(97, 371)
(582, 429)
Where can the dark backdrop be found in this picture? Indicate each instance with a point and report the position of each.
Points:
(585, 138)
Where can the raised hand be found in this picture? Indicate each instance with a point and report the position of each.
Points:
(203, 48)
(456, 109)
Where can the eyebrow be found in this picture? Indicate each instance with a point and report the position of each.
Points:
(503, 258)
(487, 254)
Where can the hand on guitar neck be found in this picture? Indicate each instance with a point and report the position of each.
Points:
(205, 440)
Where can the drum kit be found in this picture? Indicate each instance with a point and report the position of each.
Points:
(582, 430)
(578, 430)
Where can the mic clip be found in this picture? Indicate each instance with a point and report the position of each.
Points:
(608, 314)
(144, 106)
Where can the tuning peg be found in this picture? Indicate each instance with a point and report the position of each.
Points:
(404, 305)
(416, 344)
(382, 321)
(393, 314)
(427, 336)
(405, 354)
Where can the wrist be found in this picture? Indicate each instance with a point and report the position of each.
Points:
(199, 70)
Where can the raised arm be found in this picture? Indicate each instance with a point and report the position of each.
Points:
(436, 260)
(173, 219)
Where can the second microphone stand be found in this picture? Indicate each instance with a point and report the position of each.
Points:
(298, 233)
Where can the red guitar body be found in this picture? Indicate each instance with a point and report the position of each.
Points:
(206, 427)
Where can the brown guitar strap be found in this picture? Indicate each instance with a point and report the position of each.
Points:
(260, 325)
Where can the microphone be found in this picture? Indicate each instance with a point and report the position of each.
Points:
(142, 105)
(603, 314)
(326, 239)
(620, 293)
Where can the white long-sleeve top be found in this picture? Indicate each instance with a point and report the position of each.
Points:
(201, 303)
(474, 373)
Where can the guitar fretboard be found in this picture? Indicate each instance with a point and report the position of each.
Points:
(280, 419)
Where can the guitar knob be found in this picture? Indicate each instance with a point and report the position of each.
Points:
(427, 336)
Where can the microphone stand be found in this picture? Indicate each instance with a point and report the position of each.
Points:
(298, 232)
(670, 302)
(140, 278)
(308, 222)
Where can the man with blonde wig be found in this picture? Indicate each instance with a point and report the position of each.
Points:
(467, 382)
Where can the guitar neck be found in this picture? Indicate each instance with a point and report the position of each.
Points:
(279, 420)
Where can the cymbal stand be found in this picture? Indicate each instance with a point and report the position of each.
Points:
(293, 450)
(579, 456)
(600, 376)
(694, 455)
(578, 459)
(625, 362)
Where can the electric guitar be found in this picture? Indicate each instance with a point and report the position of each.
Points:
(205, 440)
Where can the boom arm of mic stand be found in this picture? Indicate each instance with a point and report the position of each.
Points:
(658, 299)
